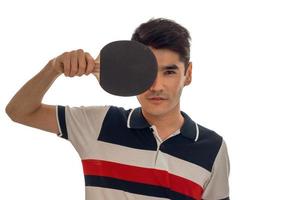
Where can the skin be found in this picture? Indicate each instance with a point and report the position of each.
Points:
(165, 114)
(169, 83)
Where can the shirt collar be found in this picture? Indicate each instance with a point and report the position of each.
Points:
(136, 120)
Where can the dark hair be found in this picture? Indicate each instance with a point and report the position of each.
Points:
(164, 33)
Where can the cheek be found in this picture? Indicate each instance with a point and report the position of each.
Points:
(141, 98)
(180, 92)
(177, 87)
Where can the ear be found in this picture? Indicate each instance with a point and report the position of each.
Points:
(188, 75)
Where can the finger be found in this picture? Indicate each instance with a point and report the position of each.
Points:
(97, 67)
(74, 64)
(90, 63)
(66, 63)
(81, 62)
(96, 71)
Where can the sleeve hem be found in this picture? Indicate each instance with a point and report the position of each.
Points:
(61, 121)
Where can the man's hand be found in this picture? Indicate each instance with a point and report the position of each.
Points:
(76, 63)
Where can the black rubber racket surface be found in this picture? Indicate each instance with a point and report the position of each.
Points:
(128, 68)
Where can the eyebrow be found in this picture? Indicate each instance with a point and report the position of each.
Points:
(170, 67)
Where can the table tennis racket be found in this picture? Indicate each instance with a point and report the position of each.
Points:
(128, 68)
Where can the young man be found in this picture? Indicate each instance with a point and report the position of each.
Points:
(155, 151)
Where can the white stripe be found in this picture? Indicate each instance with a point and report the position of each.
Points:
(84, 124)
(182, 168)
(57, 121)
(197, 132)
(129, 117)
(146, 159)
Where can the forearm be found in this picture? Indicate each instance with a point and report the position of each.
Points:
(30, 96)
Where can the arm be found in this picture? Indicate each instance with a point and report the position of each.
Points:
(26, 106)
(217, 187)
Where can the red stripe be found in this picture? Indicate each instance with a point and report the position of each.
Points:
(142, 175)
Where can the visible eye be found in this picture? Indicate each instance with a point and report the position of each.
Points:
(170, 72)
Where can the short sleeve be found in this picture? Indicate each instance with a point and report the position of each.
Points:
(80, 125)
(217, 187)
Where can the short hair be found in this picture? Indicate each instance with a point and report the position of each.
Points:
(164, 33)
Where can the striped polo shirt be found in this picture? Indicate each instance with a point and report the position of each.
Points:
(123, 157)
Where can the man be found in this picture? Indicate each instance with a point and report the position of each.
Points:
(155, 151)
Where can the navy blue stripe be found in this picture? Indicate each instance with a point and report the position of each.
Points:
(227, 198)
(62, 121)
(202, 153)
(114, 130)
(132, 187)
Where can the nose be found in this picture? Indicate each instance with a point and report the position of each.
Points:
(157, 84)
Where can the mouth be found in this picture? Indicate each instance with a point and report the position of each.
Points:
(156, 99)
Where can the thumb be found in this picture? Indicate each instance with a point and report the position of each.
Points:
(96, 71)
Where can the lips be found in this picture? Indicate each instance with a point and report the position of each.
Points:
(156, 99)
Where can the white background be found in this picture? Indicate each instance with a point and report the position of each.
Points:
(245, 86)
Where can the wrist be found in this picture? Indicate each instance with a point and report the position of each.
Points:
(52, 69)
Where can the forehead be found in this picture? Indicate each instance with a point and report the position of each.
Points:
(166, 57)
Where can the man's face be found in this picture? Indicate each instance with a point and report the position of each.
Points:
(164, 95)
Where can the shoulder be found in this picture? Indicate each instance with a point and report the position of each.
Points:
(117, 113)
(208, 136)
(209, 145)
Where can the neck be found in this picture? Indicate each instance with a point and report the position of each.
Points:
(166, 123)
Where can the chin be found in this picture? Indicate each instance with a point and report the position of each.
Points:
(155, 110)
